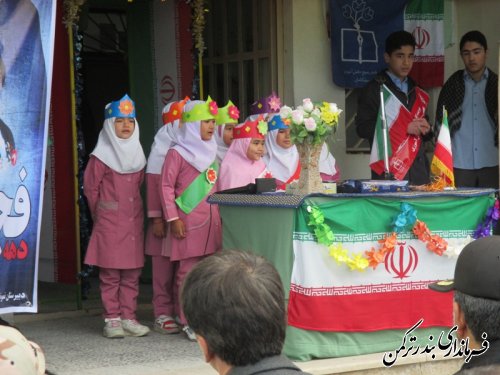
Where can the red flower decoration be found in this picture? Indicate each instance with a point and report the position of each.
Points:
(211, 175)
(212, 107)
(268, 175)
(234, 113)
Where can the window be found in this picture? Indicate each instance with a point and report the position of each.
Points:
(354, 144)
(240, 60)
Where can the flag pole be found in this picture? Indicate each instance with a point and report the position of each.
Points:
(387, 173)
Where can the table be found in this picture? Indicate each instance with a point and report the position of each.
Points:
(265, 225)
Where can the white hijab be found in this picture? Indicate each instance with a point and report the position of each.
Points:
(164, 138)
(281, 162)
(221, 145)
(197, 152)
(327, 161)
(121, 155)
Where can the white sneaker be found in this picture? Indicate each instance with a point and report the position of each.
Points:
(166, 325)
(132, 327)
(189, 333)
(113, 329)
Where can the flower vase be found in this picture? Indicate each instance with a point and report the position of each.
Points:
(310, 178)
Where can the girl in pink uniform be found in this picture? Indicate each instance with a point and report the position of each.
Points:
(112, 179)
(164, 294)
(188, 176)
(243, 162)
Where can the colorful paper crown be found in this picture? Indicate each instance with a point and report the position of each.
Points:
(201, 111)
(251, 129)
(270, 104)
(125, 107)
(276, 122)
(228, 114)
(175, 111)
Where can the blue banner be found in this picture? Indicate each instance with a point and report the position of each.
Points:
(358, 32)
(26, 50)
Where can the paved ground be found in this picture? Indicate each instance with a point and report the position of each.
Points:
(74, 345)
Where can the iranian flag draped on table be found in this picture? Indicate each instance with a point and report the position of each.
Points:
(327, 296)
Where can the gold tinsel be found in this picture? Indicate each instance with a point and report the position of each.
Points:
(72, 11)
(198, 24)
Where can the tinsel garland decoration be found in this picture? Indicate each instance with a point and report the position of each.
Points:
(198, 24)
(84, 214)
(490, 221)
(72, 11)
(407, 218)
(197, 28)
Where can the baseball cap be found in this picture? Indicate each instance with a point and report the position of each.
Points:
(477, 272)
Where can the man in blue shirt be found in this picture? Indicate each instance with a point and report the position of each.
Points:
(471, 98)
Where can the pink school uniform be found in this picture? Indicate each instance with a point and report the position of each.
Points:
(188, 176)
(282, 162)
(164, 296)
(112, 180)
(236, 168)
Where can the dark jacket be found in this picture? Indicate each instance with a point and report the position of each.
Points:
(277, 365)
(366, 118)
(490, 357)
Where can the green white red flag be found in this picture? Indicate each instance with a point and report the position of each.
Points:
(442, 161)
(328, 296)
(402, 147)
(425, 20)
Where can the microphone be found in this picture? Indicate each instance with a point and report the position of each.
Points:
(261, 185)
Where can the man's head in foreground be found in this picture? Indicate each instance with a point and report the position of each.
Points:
(476, 285)
(235, 304)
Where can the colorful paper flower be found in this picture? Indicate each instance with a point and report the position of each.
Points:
(262, 127)
(211, 175)
(357, 263)
(388, 243)
(233, 112)
(374, 257)
(213, 108)
(274, 103)
(126, 107)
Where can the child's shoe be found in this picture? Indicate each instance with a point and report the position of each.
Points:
(113, 329)
(189, 333)
(132, 327)
(166, 325)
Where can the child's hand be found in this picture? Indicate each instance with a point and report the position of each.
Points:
(159, 229)
(178, 229)
(418, 126)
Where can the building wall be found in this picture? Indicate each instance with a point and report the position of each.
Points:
(309, 50)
